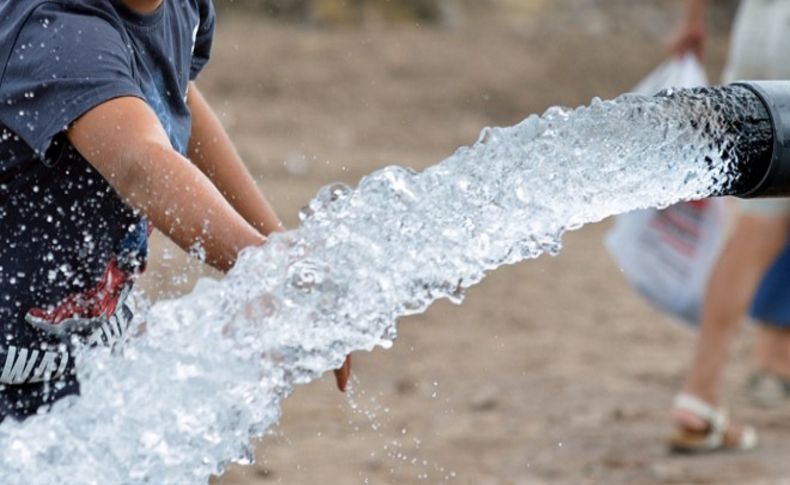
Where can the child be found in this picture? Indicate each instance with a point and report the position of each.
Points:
(103, 134)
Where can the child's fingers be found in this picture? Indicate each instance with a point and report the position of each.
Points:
(342, 375)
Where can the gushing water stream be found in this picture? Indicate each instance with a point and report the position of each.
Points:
(211, 368)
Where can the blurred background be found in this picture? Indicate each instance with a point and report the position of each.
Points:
(552, 371)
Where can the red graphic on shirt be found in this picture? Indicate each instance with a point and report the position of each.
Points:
(92, 308)
(83, 309)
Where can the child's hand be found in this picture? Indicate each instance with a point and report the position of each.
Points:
(342, 374)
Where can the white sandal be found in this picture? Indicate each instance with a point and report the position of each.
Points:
(715, 436)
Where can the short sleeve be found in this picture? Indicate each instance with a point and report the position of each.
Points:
(63, 64)
(204, 38)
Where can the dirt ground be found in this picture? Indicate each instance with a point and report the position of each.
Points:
(552, 371)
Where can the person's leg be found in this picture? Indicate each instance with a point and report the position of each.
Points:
(754, 245)
(769, 385)
(773, 350)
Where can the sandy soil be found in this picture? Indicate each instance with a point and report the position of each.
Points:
(552, 371)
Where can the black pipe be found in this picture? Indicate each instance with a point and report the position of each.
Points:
(748, 127)
(739, 122)
(775, 169)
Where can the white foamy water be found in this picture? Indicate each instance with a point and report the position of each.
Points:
(174, 404)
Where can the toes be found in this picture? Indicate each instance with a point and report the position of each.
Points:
(689, 421)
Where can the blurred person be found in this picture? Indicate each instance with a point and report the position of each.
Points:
(760, 43)
(103, 136)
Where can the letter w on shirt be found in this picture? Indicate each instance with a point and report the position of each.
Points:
(20, 365)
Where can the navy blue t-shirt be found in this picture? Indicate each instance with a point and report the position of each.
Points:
(70, 248)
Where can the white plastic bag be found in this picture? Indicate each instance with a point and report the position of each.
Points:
(668, 254)
(684, 72)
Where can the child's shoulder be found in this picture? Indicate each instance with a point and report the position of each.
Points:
(23, 12)
(45, 28)
(58, 19)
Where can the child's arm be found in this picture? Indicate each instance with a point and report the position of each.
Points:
(125, 142)
(212, 151)
(690, 37)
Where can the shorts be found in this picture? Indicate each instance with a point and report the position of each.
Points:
(22, 401)
(771, 305)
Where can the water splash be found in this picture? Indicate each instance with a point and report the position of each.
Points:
(211, 368)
